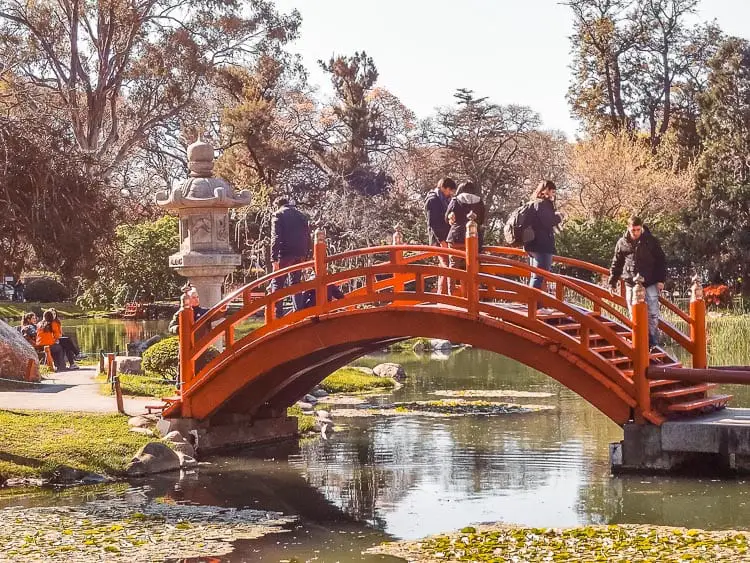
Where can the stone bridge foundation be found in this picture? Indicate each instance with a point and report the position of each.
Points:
(230, 432)
(718, 442)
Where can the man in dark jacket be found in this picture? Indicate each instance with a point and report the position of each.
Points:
(435, 208)
(639, 253)
(290, 244)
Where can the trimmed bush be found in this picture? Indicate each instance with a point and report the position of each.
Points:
(45, 290)
(163, 358)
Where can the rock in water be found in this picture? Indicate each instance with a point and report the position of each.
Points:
(154, 457)
(394, 371)
(184, 448)
(15, 353)
(442, 345)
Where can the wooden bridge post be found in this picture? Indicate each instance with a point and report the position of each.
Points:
(472, 264)
(639, 315)
(698, 324)
(321, 268)
(397, 257)
(187, 365)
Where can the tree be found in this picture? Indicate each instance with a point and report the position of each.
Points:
(116, 71)
(638, 66)
(716, 232)
(614, 175)
(53, 214)
(491, 145)
(136, 264)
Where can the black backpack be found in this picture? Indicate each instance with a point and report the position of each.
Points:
(518, 228)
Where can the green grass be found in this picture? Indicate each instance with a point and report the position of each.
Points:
(138, 386)
(13, 310)
(33, 444)
(729, 340)
(349, 380)
(305, 422)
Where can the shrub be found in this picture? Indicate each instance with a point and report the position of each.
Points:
(163, 358)
(45, 290)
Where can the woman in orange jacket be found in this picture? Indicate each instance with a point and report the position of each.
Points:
(47, 334)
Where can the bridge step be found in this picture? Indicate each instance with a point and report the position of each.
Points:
(714, 402)
(602, 349)
(682, 391)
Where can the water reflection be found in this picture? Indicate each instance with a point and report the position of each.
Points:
(388, 478)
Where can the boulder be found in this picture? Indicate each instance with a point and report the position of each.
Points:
(64, 474)
(175, 437)
(162, 426)
(15, 353)
(421, 346)
(394, 371)
(129, 364)
(154, 457)
(442, 345)
(139, 422)
(138, 347)
(186, 461)
(184, 448)
(319, 393)
(304, 406)
(310, 399)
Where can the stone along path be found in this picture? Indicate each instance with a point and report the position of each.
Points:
(70, 391)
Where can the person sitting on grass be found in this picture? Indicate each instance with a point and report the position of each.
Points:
(47, 335)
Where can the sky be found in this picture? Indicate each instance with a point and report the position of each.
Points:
(512, 51)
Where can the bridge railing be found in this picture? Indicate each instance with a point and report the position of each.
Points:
(398, 276)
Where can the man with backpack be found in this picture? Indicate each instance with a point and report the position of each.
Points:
(290, 244)
(638, 253)
(435, 208)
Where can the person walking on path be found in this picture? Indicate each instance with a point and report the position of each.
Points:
(467, 200)
(638, 253)
(290, 244)
(436, 209)
(545, 218)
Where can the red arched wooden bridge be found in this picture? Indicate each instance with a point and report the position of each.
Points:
(582, 335)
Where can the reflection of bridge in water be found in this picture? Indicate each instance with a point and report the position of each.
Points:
(578, 334)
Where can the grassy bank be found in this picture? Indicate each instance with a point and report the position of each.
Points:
(138, 386)
(350, 380)
(35, 443)
(591, 543)
(729, 340)
(14, 311)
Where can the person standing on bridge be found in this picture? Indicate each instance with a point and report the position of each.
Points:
(435, 209)
(467, 200)
(290, 244)
(638, 252)
(544, 219)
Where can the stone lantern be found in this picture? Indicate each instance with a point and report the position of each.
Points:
(202, 204)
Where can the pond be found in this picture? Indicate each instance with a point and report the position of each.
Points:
(393, 478)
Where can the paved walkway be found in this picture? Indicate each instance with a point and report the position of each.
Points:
(70, 391)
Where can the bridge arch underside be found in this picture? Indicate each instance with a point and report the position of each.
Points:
(269, 375)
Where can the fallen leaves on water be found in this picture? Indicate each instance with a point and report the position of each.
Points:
(611, 544)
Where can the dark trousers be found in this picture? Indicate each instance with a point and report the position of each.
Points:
(69, 348)
(281, 282)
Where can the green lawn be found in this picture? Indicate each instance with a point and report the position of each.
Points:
(350, 380)
(139, 386)
(13, 310)
(33, 444)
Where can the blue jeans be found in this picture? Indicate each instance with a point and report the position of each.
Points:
(298, 299)
(542, 261)
(652, 302)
